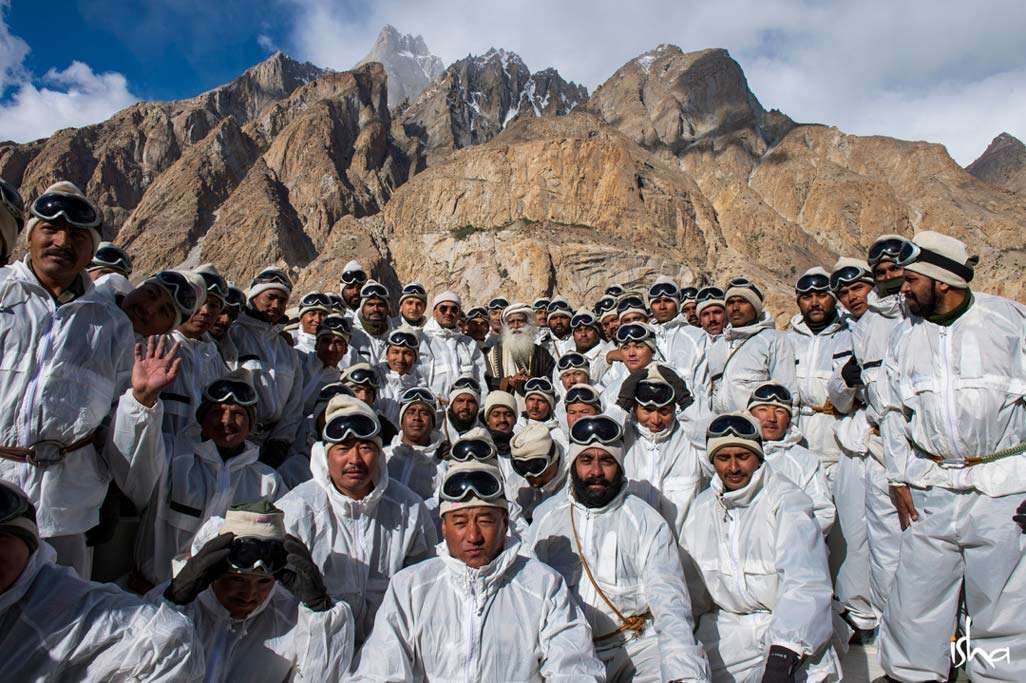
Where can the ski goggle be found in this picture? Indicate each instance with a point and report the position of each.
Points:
(632, 332)
(354, 277)
(404, 339)
(329, 391)
(112, 257)
(273, 276)
(362, 376)
(315, 300)
(539, 384)
(630, 302)
(689, 294)
(572, 360)
(462, 485)
(771, 392)
(472, 449)
(180, 289)
(582, 320)
(372, 290)
(216, 285)
(11, 201)
(224, 390)
(234, 298)
(707, 293)
(467, 383)
(477, 312)
(540, 304)
(887, 249)
(735, 425)
(614, 290)
(583, 395)
(414, 290)
(529, 467)
(75, 210)
(337, 302)
(604, 305)
(13, 506)
(846, 276)
(558, 305)
(744, 283)
(256, 555)
(418, 394)
(498, 304)
(596, 429)
(653, 394)
(814, 282)
(356, 426)
(911, 253)
(335, 323)
(663, 290)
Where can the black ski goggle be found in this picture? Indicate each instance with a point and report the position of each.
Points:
(707, 293)
(735, 425)
(472, 449)
(356, 426)
(418, 394)
(75, 210)
(771, 392)
(630, 302)
(632, 332)
(179, 288)
(814, 282)
(529, 467)
(256, 555)
(597, 429)
(315, 300)
(604, 305)
(329, 391)
(112, 257)
(583, 395)
(374, 290)
(846, 276)
(467, 383)
(462, 485)
(614, 290)
(404, 340)
(654, 394)
(663, 290)
(582, 320)
(887, 249)
(362, 376)
(11, 201)
(540, 304)
(539, 384)
(572, 360)
(689, 294)
(413, 290)
(223, 390)
(498, 304)
(477, 312)
(354, 277)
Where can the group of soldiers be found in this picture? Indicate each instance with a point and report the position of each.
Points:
(203, 483)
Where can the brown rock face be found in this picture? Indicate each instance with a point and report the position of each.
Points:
(1003, 163)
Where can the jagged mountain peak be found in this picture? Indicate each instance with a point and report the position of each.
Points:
(1003, 163)
(408, 63)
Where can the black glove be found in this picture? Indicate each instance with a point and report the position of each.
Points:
(302, 578)
(780, 665)
(851, 373)
(625, 399)
(274, 452)
(1020, 516)
(200, 571)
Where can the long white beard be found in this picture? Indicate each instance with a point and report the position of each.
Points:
(519, 344)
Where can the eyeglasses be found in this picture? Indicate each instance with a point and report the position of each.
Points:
(448, 308)
(582, 320)
(497, 304)
(234, 298)
(467, 383)
(630, 302)
(11, 201)
(374, 289)
(361, 376)
(404, 339)
(599, 428)
(771, 392)
(112, 257)
(606, 303)
(315, 300)
(540, 303)
(529, 467)
(418, 394)
(614, 290)
(413, 289)
(180, 289)
(462, 485)
(653, 394)
(223, 390)
(689, 294)
(707, 293)
(75, 210)
(583, 395)
(733, 424)
(632, 332)
(847, 275)
(13, 506)
(256, 555)
(357, 426)
(814, 282)
(572, 360)
(887, 249)
(472, 449)
(663, 290)
(354, 277)
(539, 384)
(329, 391)
(477, 312)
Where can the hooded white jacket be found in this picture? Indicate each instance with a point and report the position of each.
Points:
(418, 468)
(759, 577)
(393, 385)
(61, 370)
(817, 358)
(56, 627)
(358, 544)
(369, 347)
(201, 364)
(665, 470)
(790, 459)
(684, 348)
(446, 355)
(742, 358)
(277, 376)
(955, 392)
(511, 620)
(633, 556)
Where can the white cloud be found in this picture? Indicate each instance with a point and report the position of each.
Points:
(266, 42)
(947, 71)
(35, 108)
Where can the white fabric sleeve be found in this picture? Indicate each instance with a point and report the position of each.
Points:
(567, 652)
(388, 653)
(323, 643)
(134, 449)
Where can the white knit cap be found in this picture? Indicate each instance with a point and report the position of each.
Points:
(944, 259)
(472, 466)
(499, 398)
(533, 441)
(353, 266)
(67, 188)
(515, 308)
(754, 402)
(549, 398)
(341, 404)
(702, 305)
(342, 330)
(748, 294)
(256, 288)
(446, 296)
(412, 294)
(269, 524)
(716, 443)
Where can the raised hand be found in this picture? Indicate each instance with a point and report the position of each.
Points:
(154, 368)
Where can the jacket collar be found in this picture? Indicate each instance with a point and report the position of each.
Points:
(730, 333)
(481, 583)
(743, 497)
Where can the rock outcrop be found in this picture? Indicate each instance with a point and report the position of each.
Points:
(409, 64)
(1003, 163)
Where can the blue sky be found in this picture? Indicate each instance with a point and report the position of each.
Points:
(946, 71)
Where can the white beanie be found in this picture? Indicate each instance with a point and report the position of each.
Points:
(533, 441)
(459, 391)
(67, 188)
(444, 297)
(516, 308)
(749, 294)
(353, 266)
(412, 293)
(944, 259)
(472, 466)
(549, 398)
(344, 331)
(702, 305)
(815, 270)
(499, 398)
(341, 404)
(316, 306)
(259, 521)
(716, 443)
(255, 288)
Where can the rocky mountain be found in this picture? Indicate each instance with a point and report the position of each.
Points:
(477, 97)
(499, 179)
(408, 63)
(1003, 163)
